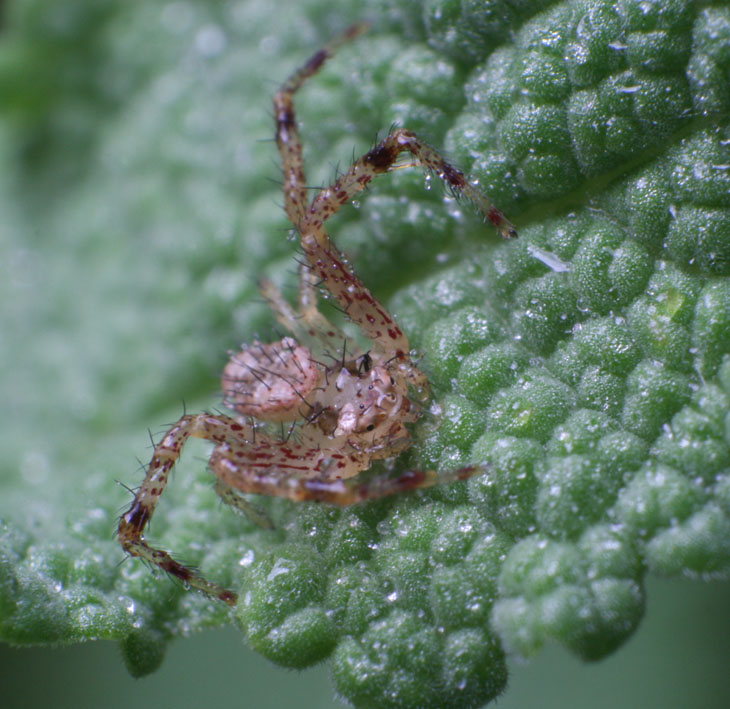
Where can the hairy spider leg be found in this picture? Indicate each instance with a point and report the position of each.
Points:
(258, 465)
(307, 324)
(295, 194)
(330, 265)
(327, 262)
(273, 479)
(133, 522)
(329, 335)
(287, 131)
(232, 498)
(296, 202)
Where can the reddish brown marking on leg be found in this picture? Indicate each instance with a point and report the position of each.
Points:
(133, 522)
(452, 176)
(381, 157)
(137, 516)
(315, 62)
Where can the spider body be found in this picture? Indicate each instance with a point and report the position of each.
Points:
(344, 407)
(349, 412)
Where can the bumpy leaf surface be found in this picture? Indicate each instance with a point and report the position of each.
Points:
(586, 365)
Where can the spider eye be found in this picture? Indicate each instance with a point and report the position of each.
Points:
(371, 427)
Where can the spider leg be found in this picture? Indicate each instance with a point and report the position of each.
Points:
(309, 476)
(308, 325)
(287, 132)
(283, 312)
(330, 335)
(329, 264)
(133, 522)
(231, 497)
(314, 325)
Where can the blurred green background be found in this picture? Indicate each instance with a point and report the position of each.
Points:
(678, 659)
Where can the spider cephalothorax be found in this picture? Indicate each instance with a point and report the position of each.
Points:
(340, 407)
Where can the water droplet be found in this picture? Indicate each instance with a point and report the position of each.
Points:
(278, 569)
(548, 258)
(247, 559)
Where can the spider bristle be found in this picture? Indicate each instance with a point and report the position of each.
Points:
(258, 378)
(126, 556)
(341, 310)
(322, 364)
(263, 351)
(131, 491)
(151, 437)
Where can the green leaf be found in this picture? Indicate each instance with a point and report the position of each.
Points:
(585, 365)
